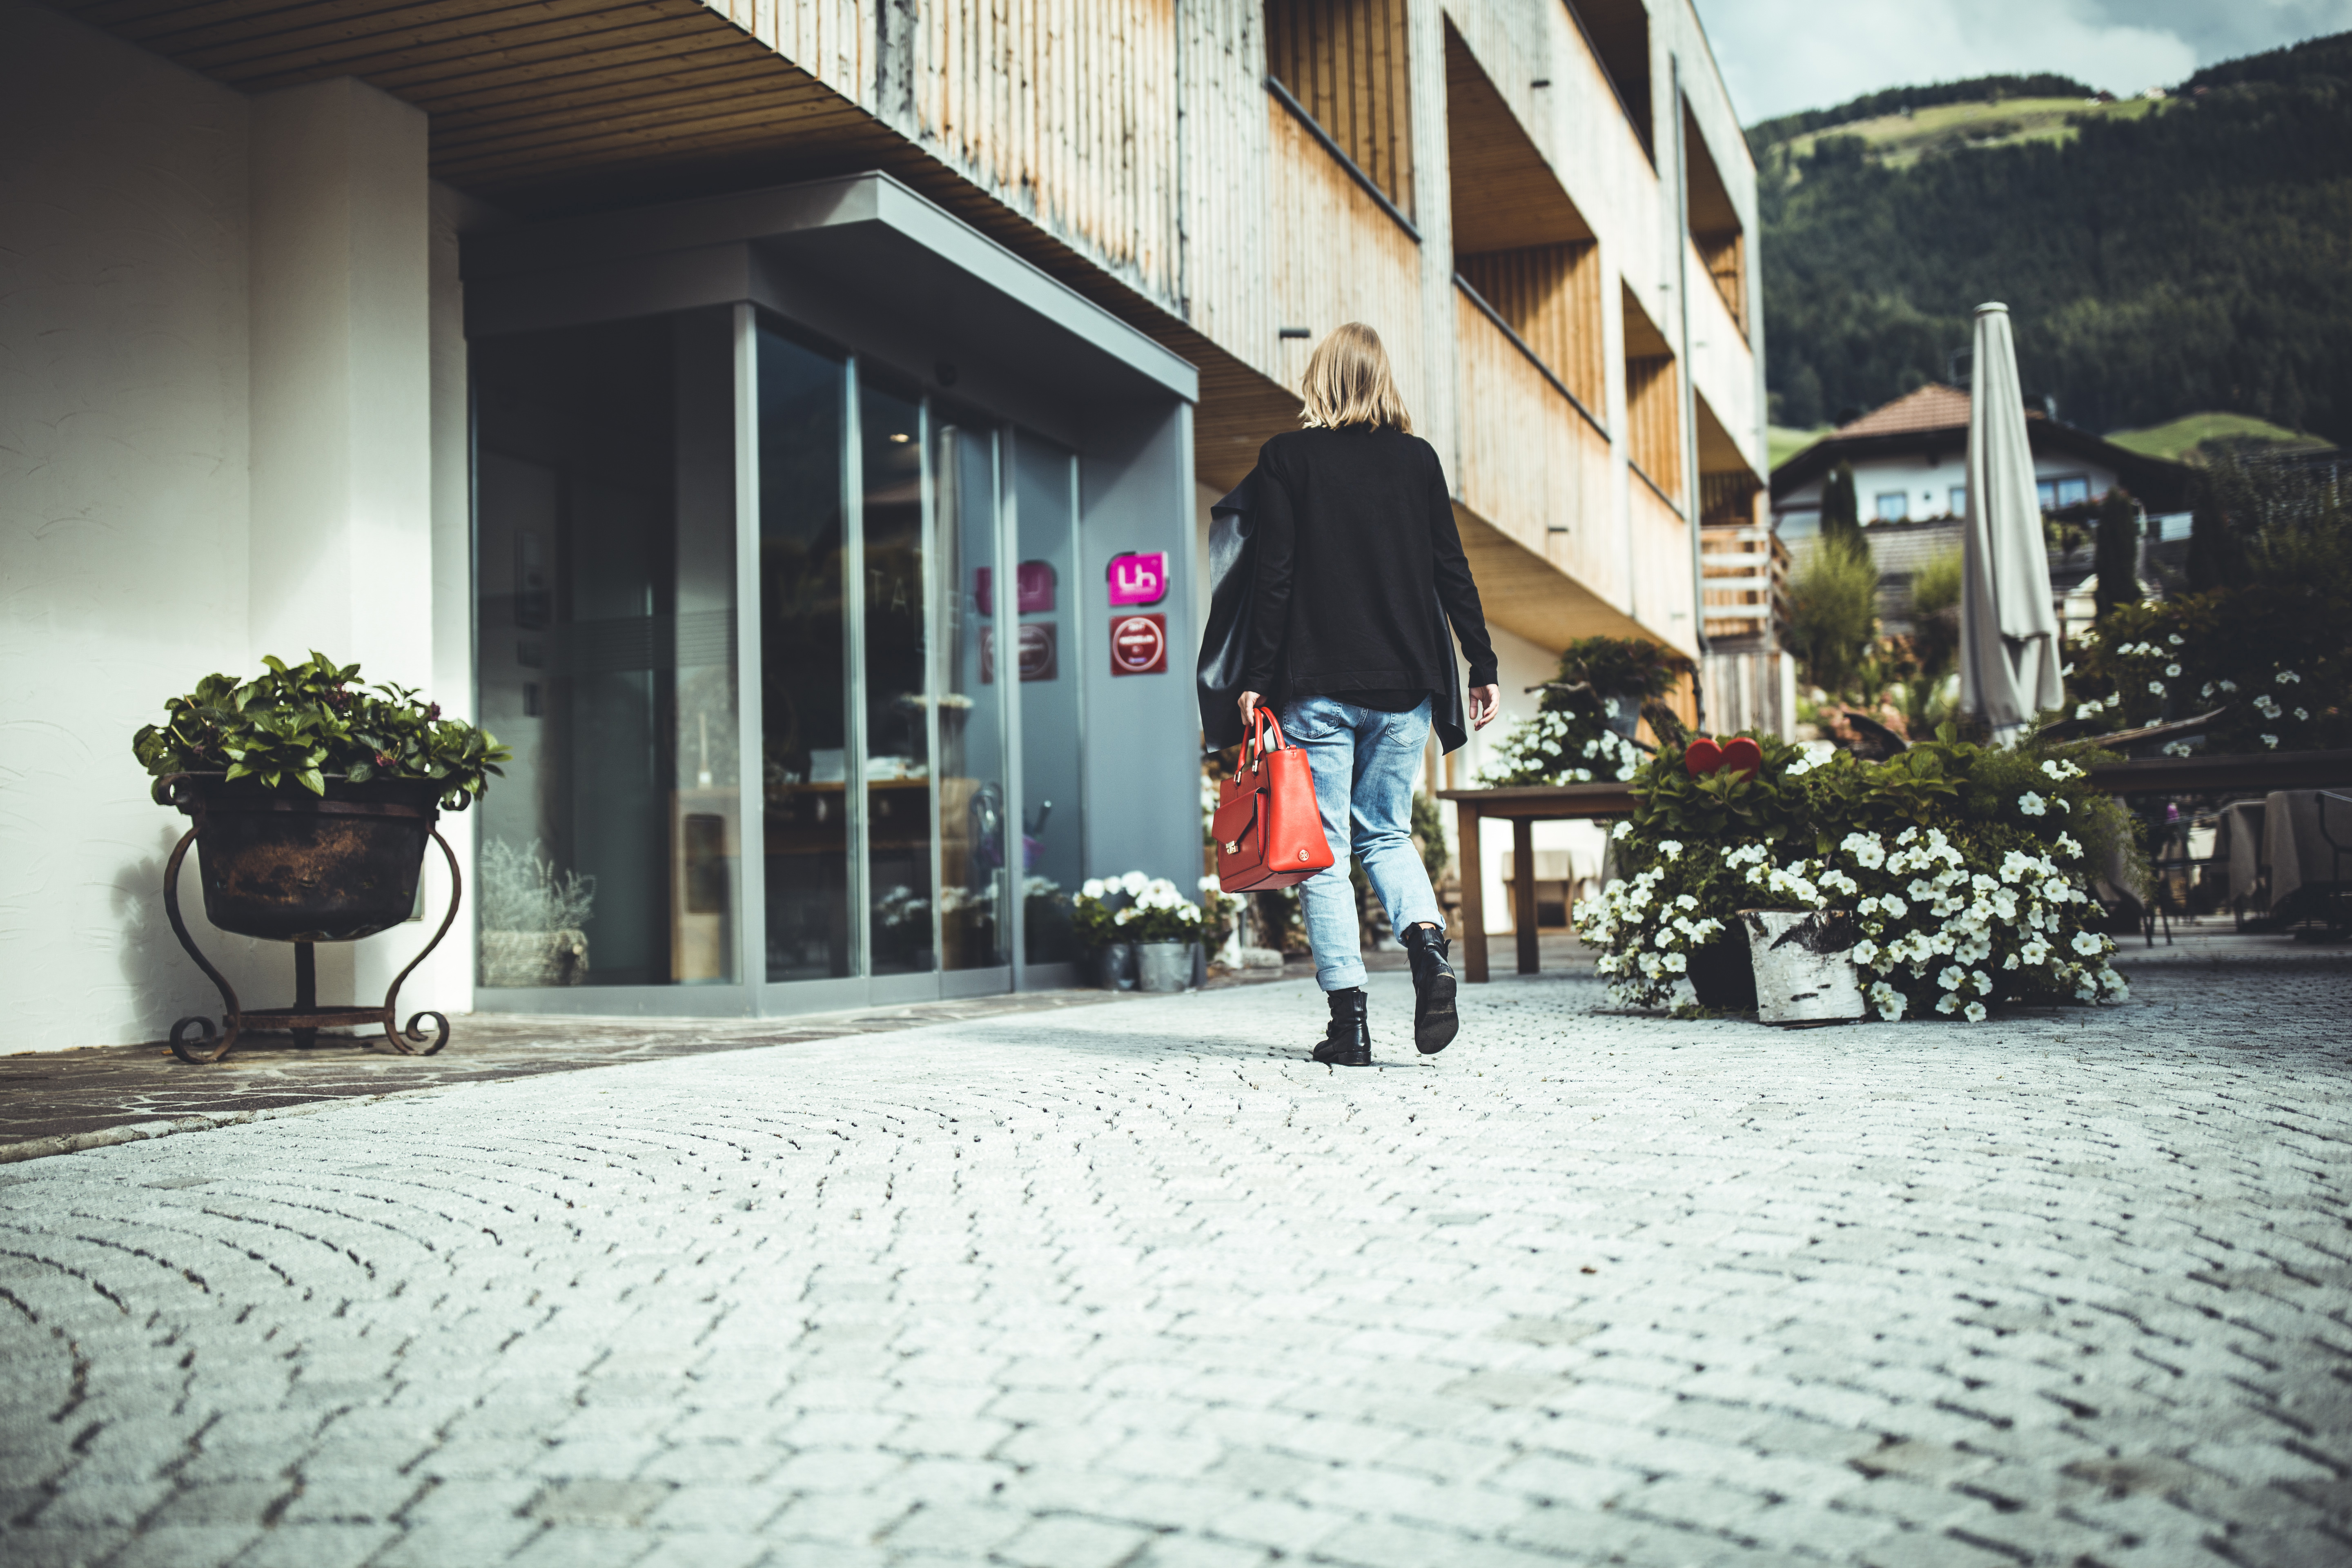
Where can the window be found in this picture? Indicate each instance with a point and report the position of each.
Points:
(2070, 490)
(1893, 506)
(1959, 501)
(1344, 62)
(1618, 32)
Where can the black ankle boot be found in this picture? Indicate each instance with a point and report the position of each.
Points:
(1434, 1022)
(1348, 1043)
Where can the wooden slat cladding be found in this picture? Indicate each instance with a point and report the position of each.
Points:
(1654, 422)
(1724, 258)
(1345, 62)
(1550, 294)
(1715, 223)
(1532, 464)
(1337, 257)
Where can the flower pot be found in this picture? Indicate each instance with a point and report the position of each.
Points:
(289, 865)
(534, 958)
(1803, 961)
(1115, 966)
(1164, 966)
(1721, 974)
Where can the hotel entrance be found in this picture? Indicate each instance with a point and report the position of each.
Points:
(793, 630)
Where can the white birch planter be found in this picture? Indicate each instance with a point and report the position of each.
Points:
(1805, 973)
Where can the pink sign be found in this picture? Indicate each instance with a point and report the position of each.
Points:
(1138, 579)
(1032, 581)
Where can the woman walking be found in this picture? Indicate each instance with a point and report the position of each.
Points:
(1338, 567)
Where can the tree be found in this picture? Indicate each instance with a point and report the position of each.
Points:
(2118, 549)
(1841, 522)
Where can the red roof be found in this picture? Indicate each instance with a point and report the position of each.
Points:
(1934, 406)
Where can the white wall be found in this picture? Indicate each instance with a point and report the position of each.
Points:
(216, 372)
(123, 507)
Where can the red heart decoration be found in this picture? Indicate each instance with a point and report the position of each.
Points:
(1703, 756)
(1741, 754)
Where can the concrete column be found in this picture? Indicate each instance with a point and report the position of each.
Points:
(341, 539)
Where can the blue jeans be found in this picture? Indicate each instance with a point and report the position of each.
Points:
(1365, 762)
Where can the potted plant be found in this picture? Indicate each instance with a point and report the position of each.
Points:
(1964, 869)
(312, 800)
(1095, 919)
(1584, 723)
(533, 918)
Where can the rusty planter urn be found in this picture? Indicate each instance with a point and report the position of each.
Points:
(289, 866)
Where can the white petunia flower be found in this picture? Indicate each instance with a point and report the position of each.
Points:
(1672, 848)
(2299, 713)
(2173, 671)
(1092, 887)
(2087, 942)
(2271, 740)
(2288, 677)
(1621, 829)
(2157, 687)
(1974, 1012)
(2032, 803)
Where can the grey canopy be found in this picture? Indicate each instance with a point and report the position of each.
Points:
(2009, 632)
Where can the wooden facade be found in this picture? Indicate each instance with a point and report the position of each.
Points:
(1491, 184)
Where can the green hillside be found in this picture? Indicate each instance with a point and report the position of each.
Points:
(2177, 438)
(2159, 258)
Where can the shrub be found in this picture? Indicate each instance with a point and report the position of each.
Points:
(1833, 615)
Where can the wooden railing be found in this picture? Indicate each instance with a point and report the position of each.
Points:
(1744, 570)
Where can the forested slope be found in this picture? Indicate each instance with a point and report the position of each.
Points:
(2197, 258)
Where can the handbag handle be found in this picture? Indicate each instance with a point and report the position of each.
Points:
(1261, 717)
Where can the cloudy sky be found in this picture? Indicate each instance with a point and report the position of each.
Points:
(1779, 55)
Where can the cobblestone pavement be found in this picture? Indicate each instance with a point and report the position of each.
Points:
(1138, 1285)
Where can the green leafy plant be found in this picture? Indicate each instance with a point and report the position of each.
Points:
(1967, 869)
(295, 725)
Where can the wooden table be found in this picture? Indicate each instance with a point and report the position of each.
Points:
(1526, 804)
(1523, 806)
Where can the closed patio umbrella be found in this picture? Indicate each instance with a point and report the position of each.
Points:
(2009, 632)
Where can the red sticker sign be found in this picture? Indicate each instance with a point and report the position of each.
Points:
(1139, 644)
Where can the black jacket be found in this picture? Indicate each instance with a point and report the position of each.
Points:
(1335, 567)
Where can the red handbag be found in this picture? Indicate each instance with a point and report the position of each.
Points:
(1269, 830)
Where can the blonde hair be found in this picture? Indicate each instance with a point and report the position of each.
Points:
(1348, 383)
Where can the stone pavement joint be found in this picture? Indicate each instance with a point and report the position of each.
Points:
(1140, 1286)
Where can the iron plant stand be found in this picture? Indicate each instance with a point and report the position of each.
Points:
(306, 1017)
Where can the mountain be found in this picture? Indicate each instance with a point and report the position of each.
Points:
(2159, 257)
